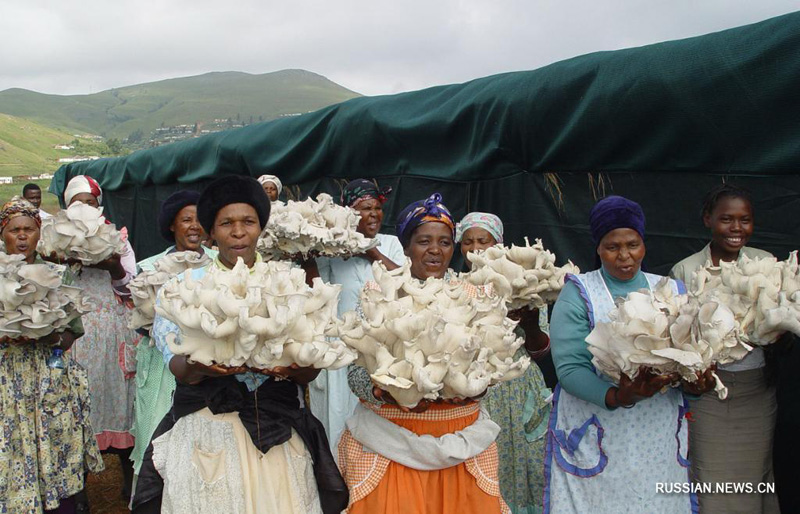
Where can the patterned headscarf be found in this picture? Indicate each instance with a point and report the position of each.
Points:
(420, 212)
(83, 184)
(489, 222)
(362, 189)
(17, 207)
(263, 179)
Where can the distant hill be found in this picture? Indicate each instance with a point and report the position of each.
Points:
(28, 148)
(121, 112)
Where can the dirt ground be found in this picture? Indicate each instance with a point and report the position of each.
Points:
(105, 489)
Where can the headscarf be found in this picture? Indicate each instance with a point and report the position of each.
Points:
(613, 212)
(362, 189)
(83, 184)
(231, 189)
(171, 207)
(263, 179)
(491, 223)
(421, 212)
(17, 207)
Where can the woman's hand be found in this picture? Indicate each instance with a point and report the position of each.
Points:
(113, 265)
(15, 340)
(56, 259)
(423, 405)
(705, 382)
(535, 339)
(190, 372)
(645, 385)
(295, 373)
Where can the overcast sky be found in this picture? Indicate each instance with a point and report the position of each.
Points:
(370, 46)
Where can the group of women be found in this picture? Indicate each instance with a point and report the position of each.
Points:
(245, 440)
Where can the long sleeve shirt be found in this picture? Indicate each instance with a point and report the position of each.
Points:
(569, 327)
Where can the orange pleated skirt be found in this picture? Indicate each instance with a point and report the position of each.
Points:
(378, 485)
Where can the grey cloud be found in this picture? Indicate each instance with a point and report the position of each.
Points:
(373, 47)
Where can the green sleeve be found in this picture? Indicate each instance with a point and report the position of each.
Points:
(76, 327)
(569, 327)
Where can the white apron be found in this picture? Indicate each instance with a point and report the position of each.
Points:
(603, 461)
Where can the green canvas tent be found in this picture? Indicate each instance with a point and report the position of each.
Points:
(660, 124)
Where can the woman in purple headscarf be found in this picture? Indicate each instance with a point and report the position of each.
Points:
(609, 446)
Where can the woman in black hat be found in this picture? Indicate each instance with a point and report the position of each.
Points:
(242, 441)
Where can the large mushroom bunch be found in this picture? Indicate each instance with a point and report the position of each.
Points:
(526, 275)
(762, 293)
(145, 285)
(431, 339)
(35, 301)
(80, 232)
(668, 333)
(261, 317)
(312, 227)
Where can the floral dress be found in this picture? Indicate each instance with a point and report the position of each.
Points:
(46, 441)
(108, 353)
(521, 407)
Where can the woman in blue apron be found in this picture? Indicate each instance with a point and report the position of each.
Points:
(613, 449)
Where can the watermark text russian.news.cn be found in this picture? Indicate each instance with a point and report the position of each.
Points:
(715, 487)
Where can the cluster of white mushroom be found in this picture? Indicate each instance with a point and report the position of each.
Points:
(145, 285)
(80, 232)
(763, 294)
(261, 317)
(35, 301)
(526, 275)
(432, 339)
(668, 333)
(312, 227)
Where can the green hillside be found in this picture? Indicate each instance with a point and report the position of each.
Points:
(27, 148)
(200, 99)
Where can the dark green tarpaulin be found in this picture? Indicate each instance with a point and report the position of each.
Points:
(663, 123)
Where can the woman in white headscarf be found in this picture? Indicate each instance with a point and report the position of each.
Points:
(272, 186)
(108, 348)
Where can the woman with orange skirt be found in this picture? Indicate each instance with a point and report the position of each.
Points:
(440, 456)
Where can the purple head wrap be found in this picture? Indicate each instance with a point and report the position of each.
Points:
(613, 212)
(423, 211)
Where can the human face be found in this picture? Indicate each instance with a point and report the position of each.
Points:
(21, 236)
(371, 212)
(187, 230)
(731, 224)
(271, 190)
(622, 252)
(236, 230)
(34, 196)
(87, 198)
(475, 239)
(430, 250)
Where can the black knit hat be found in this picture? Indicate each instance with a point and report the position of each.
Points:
(171, 207)
(231, 189)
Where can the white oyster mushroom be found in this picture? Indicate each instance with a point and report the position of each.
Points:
(34, 301)
(80, 232)
(762, 293)
(669, 333)
(527, 275)
(144, 286)
(261, 317)
(312, 227)
(431, 339)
